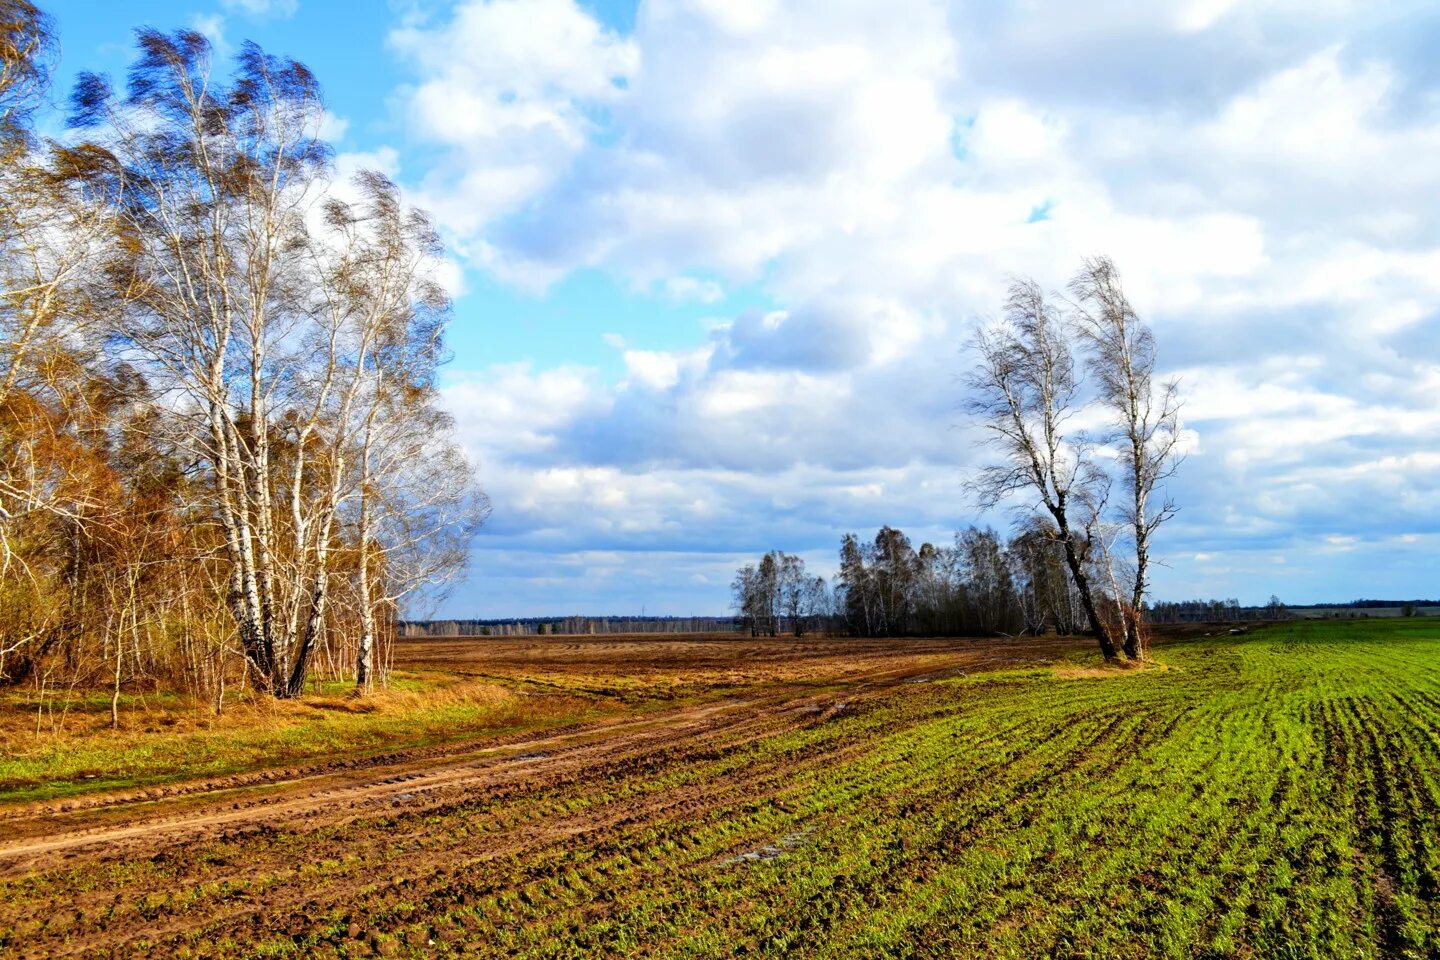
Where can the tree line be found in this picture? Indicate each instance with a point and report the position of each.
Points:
(979, 585)
(1189, 611)
(567, 626)
(222, 455)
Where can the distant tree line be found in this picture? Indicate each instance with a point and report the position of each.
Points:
(1223, 611)
(546, 626)
(1189, 611)
(978, 585)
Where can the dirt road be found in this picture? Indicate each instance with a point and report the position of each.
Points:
(266, 853)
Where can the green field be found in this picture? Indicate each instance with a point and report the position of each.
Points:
(1271, 796)
(1277, 796)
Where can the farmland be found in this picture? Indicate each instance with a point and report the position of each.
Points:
(1272, 795)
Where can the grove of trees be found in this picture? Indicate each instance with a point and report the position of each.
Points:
(979, 585)
(222, 456)
(777, 594)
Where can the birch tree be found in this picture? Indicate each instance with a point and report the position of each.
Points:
(417, 509)
(56, 236)
(221, 436)
(1145, 418)
(746, 599)
(219, 179)
(1024, 392)
(27, 54)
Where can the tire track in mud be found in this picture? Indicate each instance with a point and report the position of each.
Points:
(692, 736)
(623, 753)
(33, 841)
(29, 835)
(414, 875)
(638, 808)
(29, 839)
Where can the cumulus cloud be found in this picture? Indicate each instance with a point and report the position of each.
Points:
(1262, 172)
(512, 88)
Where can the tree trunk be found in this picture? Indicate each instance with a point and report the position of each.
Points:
(1082, 586)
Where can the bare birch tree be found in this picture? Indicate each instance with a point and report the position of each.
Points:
(1145, 420)
(1024, 393)
(417, 509)
(413, 500)
(221, 440)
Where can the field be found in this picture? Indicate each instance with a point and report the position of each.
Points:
(1272, 795)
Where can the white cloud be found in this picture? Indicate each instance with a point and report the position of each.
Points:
(262, 8)
(333, 127)
(1263, 173)
(507, 84)
(212, 27)
(686, 289)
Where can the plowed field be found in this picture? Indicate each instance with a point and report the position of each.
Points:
(1274, 795)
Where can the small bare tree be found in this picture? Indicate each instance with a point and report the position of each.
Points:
(1024, 392)
(1145, 418)
(746, 597)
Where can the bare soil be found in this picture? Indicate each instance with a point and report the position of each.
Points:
(786, 674)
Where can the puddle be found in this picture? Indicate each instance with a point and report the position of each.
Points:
(772, 851)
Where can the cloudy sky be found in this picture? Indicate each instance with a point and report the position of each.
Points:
(718, 260)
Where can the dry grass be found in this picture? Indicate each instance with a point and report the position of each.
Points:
(72, 749)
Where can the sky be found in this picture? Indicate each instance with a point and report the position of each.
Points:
(716, 263)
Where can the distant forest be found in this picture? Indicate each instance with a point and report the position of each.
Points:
(1204, 611)
(541, 626)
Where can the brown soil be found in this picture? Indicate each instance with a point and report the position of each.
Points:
(763, 686)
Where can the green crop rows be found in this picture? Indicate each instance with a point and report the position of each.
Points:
(1272, 796)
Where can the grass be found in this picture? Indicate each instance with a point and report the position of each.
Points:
(1269, 796)
(164, 739)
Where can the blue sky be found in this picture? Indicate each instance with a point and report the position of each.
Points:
(716, 261)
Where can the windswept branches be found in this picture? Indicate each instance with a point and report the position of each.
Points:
(1144, 417)
(27, 57)
(1023, 393)
(217, 386)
